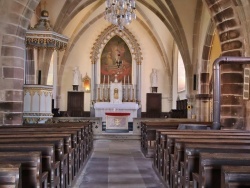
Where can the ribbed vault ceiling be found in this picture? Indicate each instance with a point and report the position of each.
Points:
(177, 16)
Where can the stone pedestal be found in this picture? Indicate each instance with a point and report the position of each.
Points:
(154, 89)
(75, 87)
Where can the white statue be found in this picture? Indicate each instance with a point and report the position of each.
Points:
(76, 76)
(154, 78)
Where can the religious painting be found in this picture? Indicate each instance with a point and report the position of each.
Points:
(116, 62)
(181, 74)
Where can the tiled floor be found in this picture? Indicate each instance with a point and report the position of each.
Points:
(118, 164)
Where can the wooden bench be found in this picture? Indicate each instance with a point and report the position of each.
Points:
(10, 175)
(162, 134)
(191, 158)
(235, 176)
(210, 167)
(149, 136)
(31, 166)
(178, 155)
(70, 147)
(169, 149)
(169, 152)
(84, 138)
(162, 157)
(48, 159)
(173, 170)
(59, 151)
(80, 133)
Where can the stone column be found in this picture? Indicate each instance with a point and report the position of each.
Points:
(138, 88)
(12, 58)
(203, 100)
(203, 107)
(93, 85)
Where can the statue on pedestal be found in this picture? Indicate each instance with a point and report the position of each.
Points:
(76, 78)
(154, 80)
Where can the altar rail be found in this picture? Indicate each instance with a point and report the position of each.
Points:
(97, 128)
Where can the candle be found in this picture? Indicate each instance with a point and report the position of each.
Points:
(104, 80)
(108, 80)
(128, 79)
(124, 80)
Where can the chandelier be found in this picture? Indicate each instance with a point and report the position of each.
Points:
(120, 12)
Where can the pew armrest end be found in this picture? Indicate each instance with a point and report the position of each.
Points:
(45, 178)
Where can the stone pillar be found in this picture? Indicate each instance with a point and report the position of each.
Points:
(203, 107)
(138, 88)
(203, 100)
(93, 84)
(12, 58)
(232, 44)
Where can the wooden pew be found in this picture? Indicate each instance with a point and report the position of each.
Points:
(191, 158)
(163, 158)
(11, 175)
(83, 133)
(210, 167)
(170, 150)
(170, 153)
(31, 164)
(59, 151)
(148, 132)
(70, 147)
(178, 155)
(84, 139)
(237, 176)
(48, 159)
(174, 171)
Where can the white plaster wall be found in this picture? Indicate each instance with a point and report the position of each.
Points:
(183, 94)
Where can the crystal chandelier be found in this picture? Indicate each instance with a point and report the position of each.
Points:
(120, 12)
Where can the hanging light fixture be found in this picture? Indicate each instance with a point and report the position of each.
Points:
(120, 12)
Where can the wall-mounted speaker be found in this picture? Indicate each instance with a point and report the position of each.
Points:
(39, 77)
(194, 82)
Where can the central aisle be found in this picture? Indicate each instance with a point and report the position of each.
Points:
(118, 164)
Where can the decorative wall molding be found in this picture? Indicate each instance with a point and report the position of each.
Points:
(110, 32)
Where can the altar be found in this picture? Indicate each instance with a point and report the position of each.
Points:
(117, 122)
(126, 107)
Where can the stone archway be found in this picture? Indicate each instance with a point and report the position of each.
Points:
(228, 25)
(14, 22)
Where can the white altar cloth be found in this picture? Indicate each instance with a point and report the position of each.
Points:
(102, 107)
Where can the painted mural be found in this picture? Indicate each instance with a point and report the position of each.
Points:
(116, 50)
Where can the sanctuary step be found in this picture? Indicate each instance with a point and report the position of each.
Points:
(117, 136)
